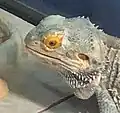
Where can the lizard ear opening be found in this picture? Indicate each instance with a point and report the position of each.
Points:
(83, 60)
(83, 56)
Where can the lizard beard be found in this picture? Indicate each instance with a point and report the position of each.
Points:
(83, 82)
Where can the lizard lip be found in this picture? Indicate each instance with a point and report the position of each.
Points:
(82, 79)
(29, 48)
(63, 63)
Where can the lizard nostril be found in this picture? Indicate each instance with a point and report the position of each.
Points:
(36, 43)
(70, 54)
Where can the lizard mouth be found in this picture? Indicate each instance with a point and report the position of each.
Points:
(75, 79)
(83, 82)
(65, 64)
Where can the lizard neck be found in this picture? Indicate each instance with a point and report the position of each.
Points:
(111, 72)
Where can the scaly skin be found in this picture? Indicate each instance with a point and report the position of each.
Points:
(4, 32)
(87, 58)
(105, 102)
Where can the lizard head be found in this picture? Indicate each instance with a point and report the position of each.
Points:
(70, 46)
(4, 32)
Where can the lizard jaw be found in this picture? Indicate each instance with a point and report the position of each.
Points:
(83, 86)
(53, 61)
(84, 81)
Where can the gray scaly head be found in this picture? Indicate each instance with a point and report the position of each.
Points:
(71, 46)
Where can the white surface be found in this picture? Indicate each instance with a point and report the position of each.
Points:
(32, 87)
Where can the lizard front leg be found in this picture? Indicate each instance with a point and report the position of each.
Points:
(105, 102)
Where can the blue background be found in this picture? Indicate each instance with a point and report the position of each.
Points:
(105, 13)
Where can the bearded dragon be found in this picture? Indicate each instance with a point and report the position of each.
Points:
(4, 36)
(87, 58)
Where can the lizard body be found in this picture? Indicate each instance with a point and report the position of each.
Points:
(4, 32)
(85, 56)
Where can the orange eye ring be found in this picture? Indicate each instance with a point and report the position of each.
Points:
(53, 41)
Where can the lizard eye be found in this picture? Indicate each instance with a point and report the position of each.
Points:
(53, 41)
